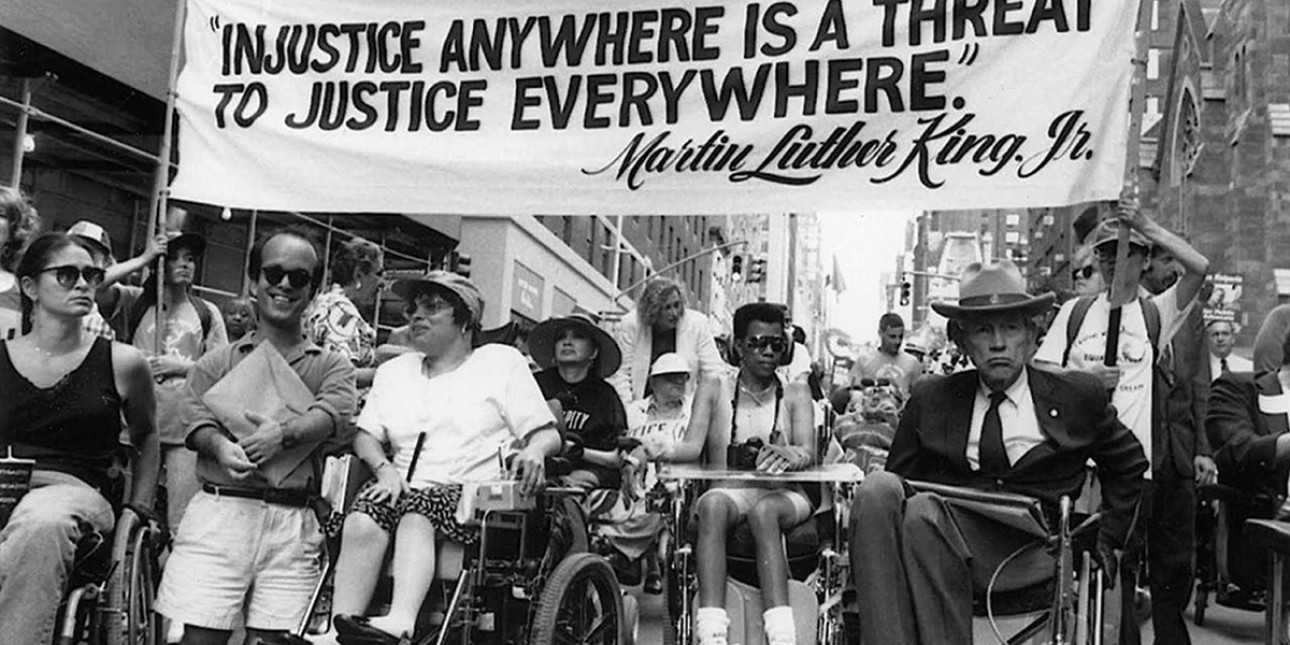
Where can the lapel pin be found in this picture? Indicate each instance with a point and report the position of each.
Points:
(1052, 412)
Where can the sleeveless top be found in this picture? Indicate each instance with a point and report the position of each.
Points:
(74, 426)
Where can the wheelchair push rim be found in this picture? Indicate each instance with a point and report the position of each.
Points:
(581, 604)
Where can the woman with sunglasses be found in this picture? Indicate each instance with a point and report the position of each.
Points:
(334, 320)
(443, 415)
(65, 393)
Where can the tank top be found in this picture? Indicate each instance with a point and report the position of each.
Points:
(73, 426)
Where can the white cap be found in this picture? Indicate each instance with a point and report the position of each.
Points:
(669, 363)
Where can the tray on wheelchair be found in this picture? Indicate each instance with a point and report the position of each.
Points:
(1018, 511)
(480, 498)
(841, 473)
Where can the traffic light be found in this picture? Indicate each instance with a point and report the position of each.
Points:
(905, 292)
(737, 268)
(757, 270)
(459, 263)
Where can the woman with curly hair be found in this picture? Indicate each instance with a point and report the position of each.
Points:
(334, 322)
(662, 323)
(18, 224)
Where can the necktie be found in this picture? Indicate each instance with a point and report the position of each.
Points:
(992, 456)
(1222, 364)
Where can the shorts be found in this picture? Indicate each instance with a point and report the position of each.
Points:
(744, 498)
(436, 503)
(232, 554)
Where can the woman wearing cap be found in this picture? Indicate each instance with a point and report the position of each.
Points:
(65, 394)
(575, 356)
(467, 406)
(661, 323)
(658, 422)
(334, 321)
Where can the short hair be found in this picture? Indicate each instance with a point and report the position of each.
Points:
(23, 221)
(1285, 348)
(461, 315)
(649, 308)
(295, 230)
(799, 334)
(889, 320)
(765, 312)
(32, 264)
(352, 257)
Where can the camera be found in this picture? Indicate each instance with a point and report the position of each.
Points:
(743, 456)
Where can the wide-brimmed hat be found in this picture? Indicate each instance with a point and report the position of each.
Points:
(1108, 232)
(93, 233)
(995, 287)
(543, 337)
(669, 363)
(409, 288)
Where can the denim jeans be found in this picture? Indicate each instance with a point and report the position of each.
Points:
(37, 548)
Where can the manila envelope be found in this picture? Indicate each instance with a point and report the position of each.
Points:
(263, 383)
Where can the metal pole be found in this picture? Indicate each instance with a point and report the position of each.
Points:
(20, 136)
(246, 260)
(161, 190)
(673, 265)
(41, 115)
(331, 223)
(618, 248)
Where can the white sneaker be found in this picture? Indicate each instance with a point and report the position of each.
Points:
(711, 625)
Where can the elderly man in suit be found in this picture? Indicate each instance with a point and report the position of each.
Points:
(1249, 426)
(917, 559)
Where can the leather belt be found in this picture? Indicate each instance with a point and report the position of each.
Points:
(279, 496)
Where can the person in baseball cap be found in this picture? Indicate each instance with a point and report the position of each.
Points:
(95, 235)
(409, 289)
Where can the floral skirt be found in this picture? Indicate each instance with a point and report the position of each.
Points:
(436, 503)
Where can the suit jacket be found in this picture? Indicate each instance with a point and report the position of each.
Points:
(1076, 419)
(1185, 378)
(1245, 436)
(694, 342)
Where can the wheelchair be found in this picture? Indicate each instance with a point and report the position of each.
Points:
(1237, 583)
(114, 578)
(529, 578)
(816, 549)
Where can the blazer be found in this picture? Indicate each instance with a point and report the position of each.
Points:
(1076, 418)
(1246, 437)
(694, 342)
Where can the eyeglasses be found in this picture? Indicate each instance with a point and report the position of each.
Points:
(67, 275)
(868, 382)
(758, 343)
(1083, 273)
(297, 278)
(433, 305)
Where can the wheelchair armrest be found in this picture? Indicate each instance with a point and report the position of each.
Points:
(628, 444)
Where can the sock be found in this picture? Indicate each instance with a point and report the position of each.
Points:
(779, 626)
(710, 625)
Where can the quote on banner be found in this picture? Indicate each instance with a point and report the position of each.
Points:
(564, 107)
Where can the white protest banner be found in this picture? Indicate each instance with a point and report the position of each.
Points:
(581, 107)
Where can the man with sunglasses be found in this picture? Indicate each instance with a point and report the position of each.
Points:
(766, 425)
(249, 547)
(1155, 390)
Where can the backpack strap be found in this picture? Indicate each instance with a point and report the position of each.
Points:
(141, 305)
(1078, 312)
(1151, 315)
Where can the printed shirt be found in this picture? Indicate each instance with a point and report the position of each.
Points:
(182, 339)
(333, 322)
(1132, 397)
(645, 424)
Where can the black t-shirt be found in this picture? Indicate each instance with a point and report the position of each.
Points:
(592, 410)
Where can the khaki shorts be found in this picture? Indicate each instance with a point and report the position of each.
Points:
(232, 553)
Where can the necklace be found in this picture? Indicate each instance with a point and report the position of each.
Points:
(758, 395)
(50, 355)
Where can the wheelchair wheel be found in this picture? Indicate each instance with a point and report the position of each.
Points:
(128, 616)
(581, 603)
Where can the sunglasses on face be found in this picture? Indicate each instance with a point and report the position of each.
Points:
(432, 306)
(68, 274)
(1082, 273)
(758, 343)
(297, 278)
